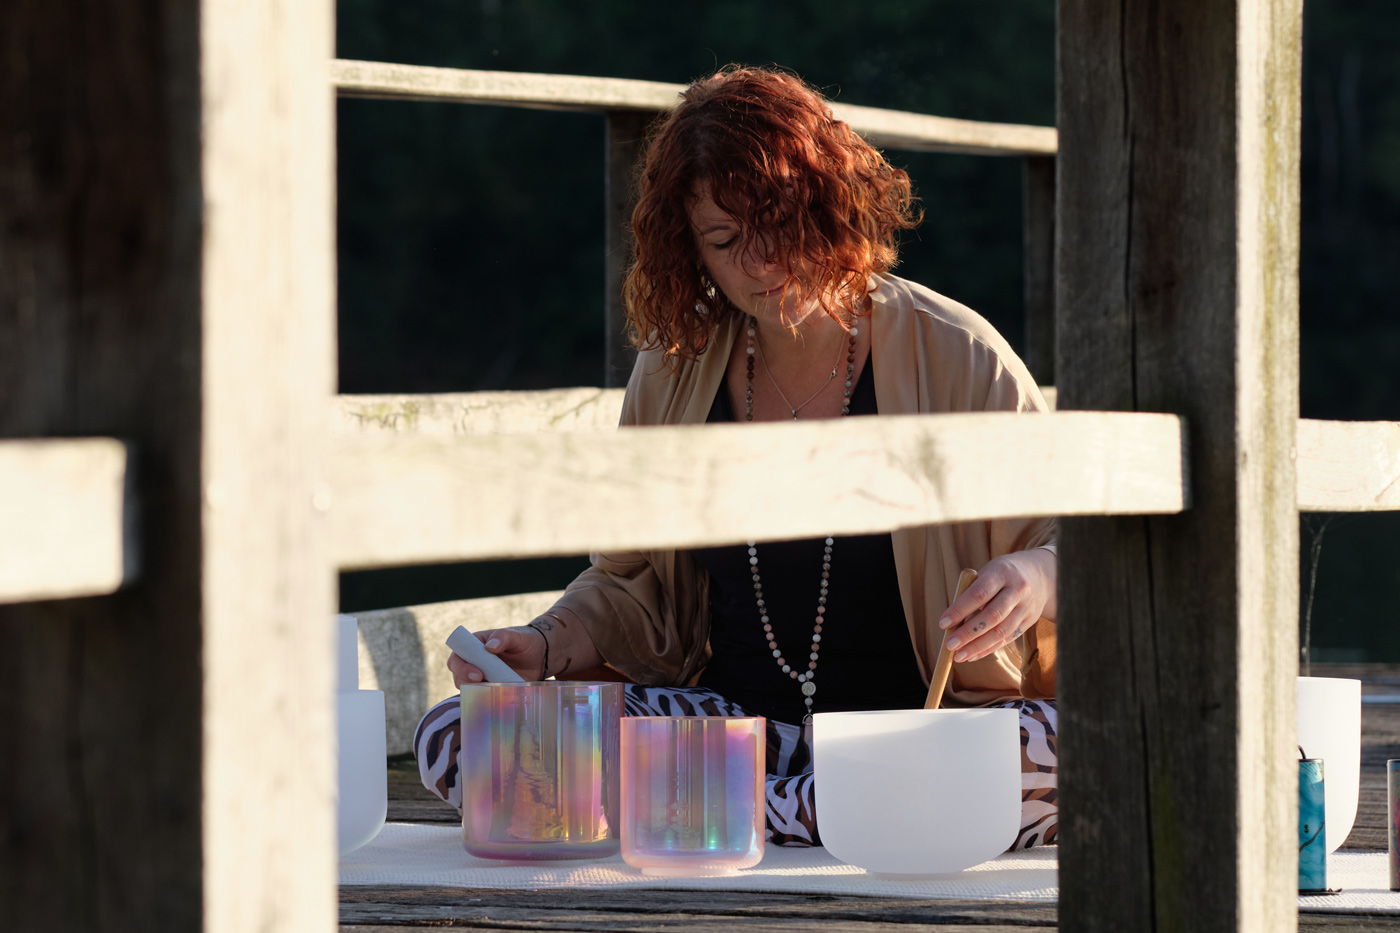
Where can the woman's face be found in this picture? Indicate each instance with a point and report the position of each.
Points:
(749, 279)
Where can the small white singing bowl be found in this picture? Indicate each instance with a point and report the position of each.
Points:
(917, 792)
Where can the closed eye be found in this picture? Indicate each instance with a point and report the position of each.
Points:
(726, 244)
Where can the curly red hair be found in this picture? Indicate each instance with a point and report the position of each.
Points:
(766, 148)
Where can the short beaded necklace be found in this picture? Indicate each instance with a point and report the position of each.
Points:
(808, 678)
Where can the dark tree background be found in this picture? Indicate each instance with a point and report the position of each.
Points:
(471, 239)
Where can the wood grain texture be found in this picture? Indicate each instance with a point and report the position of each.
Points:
(267, 802)
(514, 88)
(604, 909)
(1348, 466)
(891, 129)
(69, 528)
(1038, 250)
(1177, 264)
(166, 279)
(624, 144)
(403, 652)
(100, 698)
(1343, 466)
(402, 500)
(469, 413)
(895, 129)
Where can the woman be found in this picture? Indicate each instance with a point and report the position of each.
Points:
(765, 231)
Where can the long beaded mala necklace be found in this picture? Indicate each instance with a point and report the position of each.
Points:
(806, 679)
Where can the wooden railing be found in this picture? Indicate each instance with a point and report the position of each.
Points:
(628, 106)
(1348, 466)
(405, 499)
(461, 477)
(1342, 466)
(79, 541)
(68, 518)
(894, 129)
(239, 471)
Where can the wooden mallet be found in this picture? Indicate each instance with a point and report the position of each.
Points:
(944, 667)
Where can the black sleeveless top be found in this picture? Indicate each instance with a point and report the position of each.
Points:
(866, 659)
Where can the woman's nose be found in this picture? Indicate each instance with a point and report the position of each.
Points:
(760, 253)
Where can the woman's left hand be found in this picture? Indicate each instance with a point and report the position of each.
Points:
(1011, 593)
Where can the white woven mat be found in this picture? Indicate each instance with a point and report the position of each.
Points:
(409, 853)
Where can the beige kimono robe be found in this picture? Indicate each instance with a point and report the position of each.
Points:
(648, 611)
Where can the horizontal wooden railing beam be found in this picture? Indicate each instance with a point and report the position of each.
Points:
(1343, 466)
(67, 518)
(891, 129)
(466, 413)
(1348, 466)
(522, 412)
(406, 499)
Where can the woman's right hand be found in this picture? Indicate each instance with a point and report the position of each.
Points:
(521, 647)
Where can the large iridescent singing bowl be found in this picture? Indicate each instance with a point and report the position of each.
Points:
(692, 794)
(539, 767)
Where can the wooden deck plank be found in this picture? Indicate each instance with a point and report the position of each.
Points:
(601, 909)
(691, 923)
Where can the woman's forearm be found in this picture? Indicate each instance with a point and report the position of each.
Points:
(569, 646)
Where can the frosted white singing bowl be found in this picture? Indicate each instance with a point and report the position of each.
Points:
(917, 792)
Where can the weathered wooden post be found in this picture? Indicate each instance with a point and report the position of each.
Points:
(626, 132)
(166, 275)
(1177, 292)
(1038, 247)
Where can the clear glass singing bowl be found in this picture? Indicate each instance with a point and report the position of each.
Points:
(917, 792)
(539, 769)
(693, 794)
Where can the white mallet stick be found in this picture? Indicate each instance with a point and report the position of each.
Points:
(470, 649)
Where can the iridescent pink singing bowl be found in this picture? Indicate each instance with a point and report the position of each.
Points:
(539, 769)
(692, 794)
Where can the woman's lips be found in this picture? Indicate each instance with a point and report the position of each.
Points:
(772, 292)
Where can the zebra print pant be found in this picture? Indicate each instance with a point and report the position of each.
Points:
(792, 818)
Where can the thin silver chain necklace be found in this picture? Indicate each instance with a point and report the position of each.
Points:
(807, 680)
(832, 375)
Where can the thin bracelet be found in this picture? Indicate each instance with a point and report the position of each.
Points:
(544, 669)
